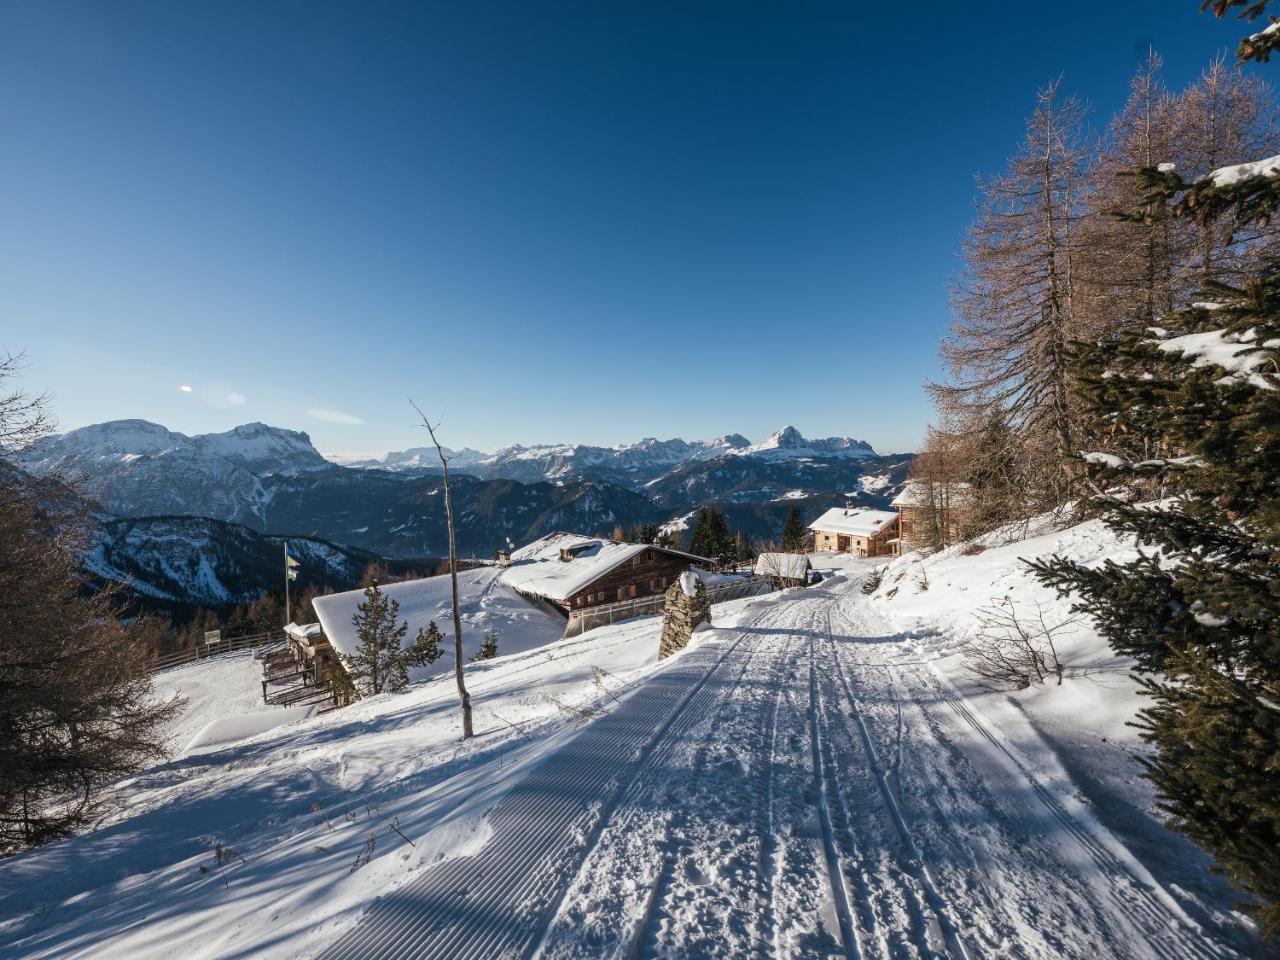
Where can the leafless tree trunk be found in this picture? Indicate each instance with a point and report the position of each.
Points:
(463, 696)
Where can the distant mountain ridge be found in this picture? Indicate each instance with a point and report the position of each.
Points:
(274, 482)
(627, 464)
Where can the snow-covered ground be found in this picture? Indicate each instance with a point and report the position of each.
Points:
(214, 689)
(814, 777)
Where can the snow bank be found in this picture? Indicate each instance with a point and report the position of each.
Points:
(228, 730)
(225, 686)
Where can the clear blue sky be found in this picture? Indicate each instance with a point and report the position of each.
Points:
(583, 222)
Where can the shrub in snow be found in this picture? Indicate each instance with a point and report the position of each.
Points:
(1014, 648)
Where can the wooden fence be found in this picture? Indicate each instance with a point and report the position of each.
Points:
(220, 646)
(580, 621)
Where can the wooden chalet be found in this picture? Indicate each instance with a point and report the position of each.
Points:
(931, 513)
(857, 530)
(572, 572)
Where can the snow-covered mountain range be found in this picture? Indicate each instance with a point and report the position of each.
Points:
(275, 482)
(639, 462)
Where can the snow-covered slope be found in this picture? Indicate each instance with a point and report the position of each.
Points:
(202, 562)
(1083, 726)
(298, 803)
(804, 780)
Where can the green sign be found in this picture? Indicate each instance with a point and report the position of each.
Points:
(212, 636)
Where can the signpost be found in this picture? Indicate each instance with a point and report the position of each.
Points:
(211, 637)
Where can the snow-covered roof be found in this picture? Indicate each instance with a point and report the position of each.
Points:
(304, 631)
(856, 521)
(916, 494)
(789, 566)
(537, 569)
(485, 603)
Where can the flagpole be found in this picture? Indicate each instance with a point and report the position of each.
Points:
(286, 583)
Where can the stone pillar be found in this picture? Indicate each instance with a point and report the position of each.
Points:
(687, 606)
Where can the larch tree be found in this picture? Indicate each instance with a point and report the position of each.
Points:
(1224, 118)
(1014, 302)
(76, 710)
(1130, 266)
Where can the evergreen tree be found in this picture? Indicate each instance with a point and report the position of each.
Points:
(1200, 614)
(643, 533)
(378, 663)
(711, 536)
(426, 647)
(488, 648)
(793, 532)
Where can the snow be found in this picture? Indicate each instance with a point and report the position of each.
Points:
(291, 801)
(874, 483)
(792, 495)
(689, 583)
(1240, 172)
(856, 521)
(221, 733)
(676, 524)
(486, 605)
(1235, 353)
(813, 776)
(789, 444)
(1105, 459)
(224, 686)
(537, 568)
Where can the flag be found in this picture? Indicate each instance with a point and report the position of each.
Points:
(290, 566)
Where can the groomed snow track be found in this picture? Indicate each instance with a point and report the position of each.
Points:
(495, 904)
(800, 787)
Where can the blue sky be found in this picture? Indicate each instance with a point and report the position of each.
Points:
(547, 222)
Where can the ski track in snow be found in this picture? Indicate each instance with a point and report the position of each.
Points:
(805, 786)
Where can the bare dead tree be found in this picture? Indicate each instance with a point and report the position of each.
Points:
(23, 418)
(1014, 649)
(464, 697)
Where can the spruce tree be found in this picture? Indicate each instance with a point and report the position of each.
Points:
(1199, 609)
(488, 648)
(426, 648)
(711, 536)
(793, 532)
(377, 664)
